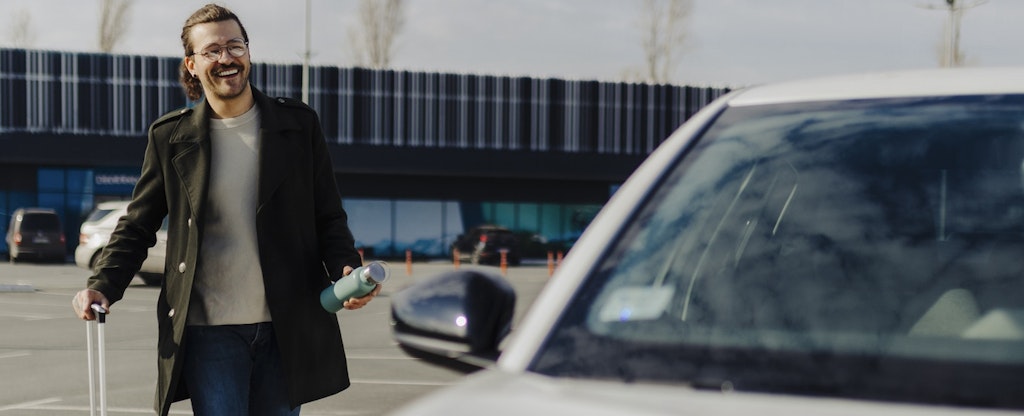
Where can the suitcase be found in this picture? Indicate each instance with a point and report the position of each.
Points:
(97, 361)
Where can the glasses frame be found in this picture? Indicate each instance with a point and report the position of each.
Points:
(218, 51)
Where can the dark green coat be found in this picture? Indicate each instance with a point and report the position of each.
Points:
(304, 240)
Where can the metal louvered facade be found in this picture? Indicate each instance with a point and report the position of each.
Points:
(119, 95)
(418, 156)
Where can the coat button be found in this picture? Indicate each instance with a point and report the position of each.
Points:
(170, 313)
(181, 267)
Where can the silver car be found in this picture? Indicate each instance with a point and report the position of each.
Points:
(845, 245)
(95, 233)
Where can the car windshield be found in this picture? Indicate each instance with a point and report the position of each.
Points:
(98, 214)
(868, 248)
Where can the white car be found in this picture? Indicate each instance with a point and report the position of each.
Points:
(843, 246)
(95, 233)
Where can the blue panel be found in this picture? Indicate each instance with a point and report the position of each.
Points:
(50, 180)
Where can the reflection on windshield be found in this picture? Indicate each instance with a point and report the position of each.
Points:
(864, 229)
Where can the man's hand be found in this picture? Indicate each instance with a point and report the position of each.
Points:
(356, 303)
(83, 301)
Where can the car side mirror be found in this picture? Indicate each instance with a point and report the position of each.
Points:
(455, 320)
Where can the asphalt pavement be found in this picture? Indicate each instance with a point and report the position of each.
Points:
(43, 345)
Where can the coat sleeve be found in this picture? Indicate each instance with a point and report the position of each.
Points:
(336, 242)
(136, 231)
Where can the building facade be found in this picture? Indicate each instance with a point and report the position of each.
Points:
(419, 157)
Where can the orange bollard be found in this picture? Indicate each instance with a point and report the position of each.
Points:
(558, 259)
(361, 259)
(504, 262)
(551, 264)
(408, 262)
(455, 258)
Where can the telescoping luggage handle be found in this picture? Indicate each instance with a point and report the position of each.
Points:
(97, 369)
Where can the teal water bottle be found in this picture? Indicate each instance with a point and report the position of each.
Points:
(354, 285)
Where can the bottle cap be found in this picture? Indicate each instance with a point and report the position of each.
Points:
(376, 272)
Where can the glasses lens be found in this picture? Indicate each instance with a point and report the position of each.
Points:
(236, 50)
(212, 55)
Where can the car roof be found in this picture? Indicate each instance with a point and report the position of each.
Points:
(37, 210)
(892, 84)
(112, 204)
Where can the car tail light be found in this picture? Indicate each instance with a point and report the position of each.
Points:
(483, 238)
(17, 239)
(62, 239)
(83, 239)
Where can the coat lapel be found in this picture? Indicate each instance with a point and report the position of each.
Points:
(276, 150)
(192, 160)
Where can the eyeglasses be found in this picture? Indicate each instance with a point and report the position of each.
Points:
(236, 48)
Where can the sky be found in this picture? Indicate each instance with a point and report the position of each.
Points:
(730, 43)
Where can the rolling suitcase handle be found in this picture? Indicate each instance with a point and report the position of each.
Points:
(97, 370)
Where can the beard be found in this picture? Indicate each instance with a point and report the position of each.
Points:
(226, 88)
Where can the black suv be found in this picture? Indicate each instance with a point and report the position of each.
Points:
(36, 233)
(483, 245)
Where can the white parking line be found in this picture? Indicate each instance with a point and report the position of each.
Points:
(378, 357)
(15, 354)
(84, 409)
(29, 405)
(30, 316)
(402, 382)
(45, 405)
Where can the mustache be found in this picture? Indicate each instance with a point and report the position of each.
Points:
(220, 68)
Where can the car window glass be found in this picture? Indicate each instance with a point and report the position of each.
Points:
(44, 222)
(98, 214)
(850, 229)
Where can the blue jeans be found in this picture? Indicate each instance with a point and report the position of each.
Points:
(235, 370)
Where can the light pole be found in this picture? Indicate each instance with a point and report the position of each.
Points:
(956, 11)
(306, 54)
(953, 42)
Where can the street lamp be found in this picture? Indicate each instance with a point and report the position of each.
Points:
(306, 54)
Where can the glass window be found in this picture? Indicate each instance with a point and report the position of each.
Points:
(452, 217)
(372, 225)
(528, 217)
(505, 215)
(5, 219)
(419, 227)
(551, 224)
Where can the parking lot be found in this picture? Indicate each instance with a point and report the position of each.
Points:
(43, 348)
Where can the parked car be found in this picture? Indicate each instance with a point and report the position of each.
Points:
(484, 244)
(36, 234)
(842, 246)
(95, 234)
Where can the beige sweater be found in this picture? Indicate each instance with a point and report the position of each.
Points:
(228, 285)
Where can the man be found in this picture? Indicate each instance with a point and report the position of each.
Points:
(256, 231)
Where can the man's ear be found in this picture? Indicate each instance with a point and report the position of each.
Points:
(190, 64)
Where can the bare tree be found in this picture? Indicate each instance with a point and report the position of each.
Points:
(664, 25)
(113, 22)
(373, 38)
(21, 32)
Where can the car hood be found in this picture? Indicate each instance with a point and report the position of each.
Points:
(497, 393)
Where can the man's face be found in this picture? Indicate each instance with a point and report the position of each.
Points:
(227, 77)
